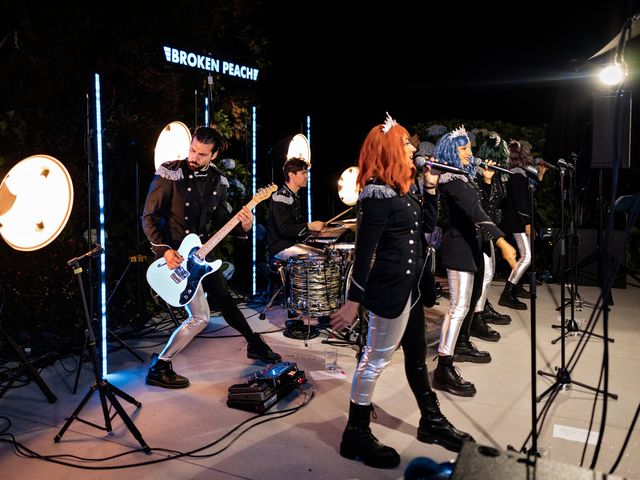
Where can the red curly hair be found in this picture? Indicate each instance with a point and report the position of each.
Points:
(383, 155)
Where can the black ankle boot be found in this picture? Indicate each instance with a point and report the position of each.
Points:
(491, 316)
(480, 329)
(434, 426)
(447, 378)
(466, 351)
(161, 374)
(258, 349)
(520, 291)
(509, 299)
(359, 442)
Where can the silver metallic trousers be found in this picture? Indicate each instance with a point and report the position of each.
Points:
(460, 289)
(524, 250)
(199, 314)
(489, 271)
(383, 339)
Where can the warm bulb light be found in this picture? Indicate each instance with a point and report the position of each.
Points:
(347, 188)
(612, 74)
(172, 144)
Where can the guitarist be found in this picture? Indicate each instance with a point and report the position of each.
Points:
(189, 196)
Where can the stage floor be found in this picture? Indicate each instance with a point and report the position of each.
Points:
(304, 444)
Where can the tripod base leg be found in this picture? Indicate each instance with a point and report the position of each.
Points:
(110, 393)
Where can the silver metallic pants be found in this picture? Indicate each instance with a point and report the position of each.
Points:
(460, 289)
(524, 250)
(199, 314)
(383, 339)
(489, 271)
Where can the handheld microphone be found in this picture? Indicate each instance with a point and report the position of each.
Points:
(421, 163)
(563, 164)
(539, 161)
(478, 162)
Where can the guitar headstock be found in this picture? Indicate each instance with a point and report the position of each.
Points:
(264, 193)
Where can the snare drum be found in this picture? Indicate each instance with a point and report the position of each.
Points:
(316, 284)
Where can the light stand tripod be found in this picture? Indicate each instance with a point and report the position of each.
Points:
(563, 376)
(104, 388)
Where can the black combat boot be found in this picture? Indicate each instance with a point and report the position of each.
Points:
(520, 291)
(434, 426)
(359, 442)
(257, 349)
(491, 316)
(480, 329)
(161, 374)
(466, 351)
(447, 378)
(508, 298)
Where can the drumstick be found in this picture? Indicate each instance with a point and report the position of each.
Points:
(339, 215)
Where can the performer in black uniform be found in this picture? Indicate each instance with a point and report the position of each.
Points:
(492, 187)
(390, 217)
(461, 253)
(286, 229)
(189, 196)
(517, 221)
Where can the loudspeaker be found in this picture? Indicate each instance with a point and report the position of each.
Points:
(479, 462)
(588, 258)
(604, 126)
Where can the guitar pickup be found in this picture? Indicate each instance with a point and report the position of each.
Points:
(179, 274)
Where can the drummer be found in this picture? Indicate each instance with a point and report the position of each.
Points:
(286, 228)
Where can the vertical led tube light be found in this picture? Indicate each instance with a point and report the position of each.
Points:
(206, 111)
(103, 286)
(253, 192)
(309, 179)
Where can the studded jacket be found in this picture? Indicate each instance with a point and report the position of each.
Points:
(175, 202)
(389, 251)
(285, 225)
(465, 222)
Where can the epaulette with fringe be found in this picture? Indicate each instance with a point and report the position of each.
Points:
(170, 170)
(449, 177)
(372, 190)
(278, 197)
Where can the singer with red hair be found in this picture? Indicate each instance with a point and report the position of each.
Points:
(388, 265)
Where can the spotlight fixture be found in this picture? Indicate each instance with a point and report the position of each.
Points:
(613, 74)
(347, 188)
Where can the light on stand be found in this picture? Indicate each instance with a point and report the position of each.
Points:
(173, 143)
(347, 190)
(36, 198)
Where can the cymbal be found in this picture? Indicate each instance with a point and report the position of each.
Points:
(36, 198)
(173, 143)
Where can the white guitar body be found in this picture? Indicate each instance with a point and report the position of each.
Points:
(178, 286)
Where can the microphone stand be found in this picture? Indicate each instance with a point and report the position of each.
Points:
(562, 376)
(105, 390)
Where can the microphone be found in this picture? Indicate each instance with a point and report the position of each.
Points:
(539, 161)
(94, 252)
(563, 164)
(421, 163)
(478, 162)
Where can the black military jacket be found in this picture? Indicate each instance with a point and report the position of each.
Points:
(175, 203)
(285, 225)
(464, 222)
(517, 208)
(389, 249)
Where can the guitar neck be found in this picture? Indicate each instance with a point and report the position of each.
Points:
(220, 234)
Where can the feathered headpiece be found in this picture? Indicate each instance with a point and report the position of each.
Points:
(388, 123)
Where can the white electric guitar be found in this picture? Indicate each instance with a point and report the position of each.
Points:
(178, 286)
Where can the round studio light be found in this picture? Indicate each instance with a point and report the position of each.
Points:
(36, 198)
(612, 74)
(173, 143)
(347, 188)
(299, 148)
